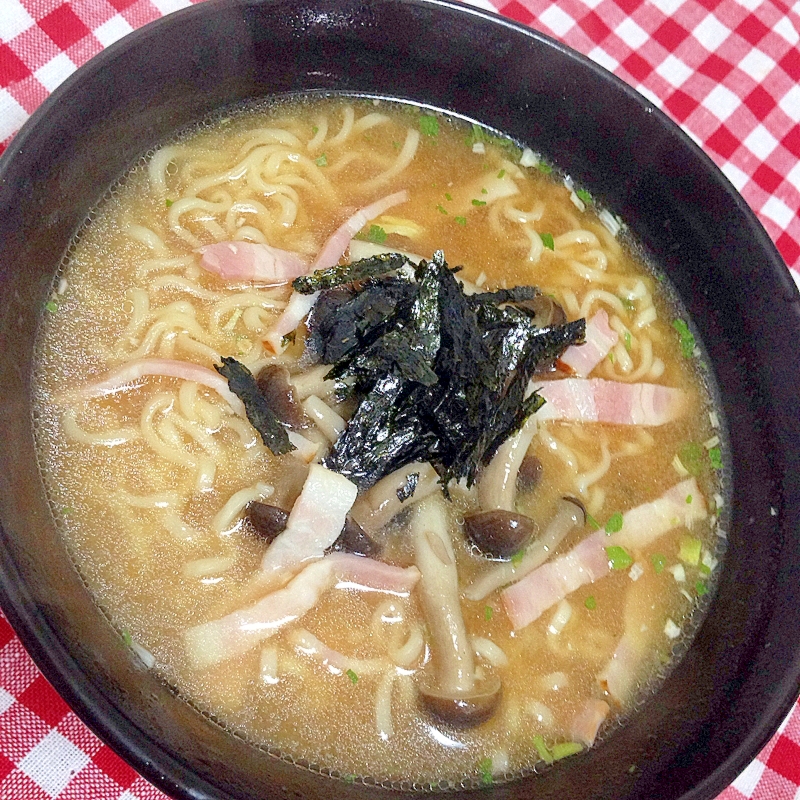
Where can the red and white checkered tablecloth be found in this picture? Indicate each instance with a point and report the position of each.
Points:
(728, 72)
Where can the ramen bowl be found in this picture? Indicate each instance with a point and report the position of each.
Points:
(741, 674)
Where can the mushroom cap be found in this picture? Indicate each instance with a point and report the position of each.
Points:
(498, 533)
(463, 709)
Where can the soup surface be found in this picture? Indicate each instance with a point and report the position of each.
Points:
(524, 610)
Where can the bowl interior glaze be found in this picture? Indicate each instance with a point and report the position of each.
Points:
(741, 674)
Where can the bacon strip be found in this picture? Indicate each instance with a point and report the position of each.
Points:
(588, 720)
(217, 641)
(247, 261)
(611, 402)
(314, 523)
(300, 304)
(583, 358)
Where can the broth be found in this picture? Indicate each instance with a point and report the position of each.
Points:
(149, 478)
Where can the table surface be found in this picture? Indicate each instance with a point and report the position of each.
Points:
(728, 72)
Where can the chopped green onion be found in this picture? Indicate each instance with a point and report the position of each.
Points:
(704, 568)
(349, 778)
(686, 337)
(516, 559)
(485, 769)
(484, 191)
(168, 202)
(593, 523)
(715, 456)
(126, 637)
(67, 510)
(288, 339)
(691, 456)
(441, 209)
(547, 241)
(479, 202)
(352, 675)
(314, 130)
(659, 561)
(564, 749)
(689, 551)
(688, 499)
(542, 749)
(321, 161)
(501, 173)
(618, 557)
(376, 235)
(429, 125)
(590, 602)
(488, 613)
(584, 195)
(626, 337)
(448, 196)
(611, 357)
(614, 523)
(51, 306)
(461, 220)
(545, 169)
(701, 588)
(628, 304)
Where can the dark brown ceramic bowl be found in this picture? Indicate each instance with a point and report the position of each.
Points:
(741, 674)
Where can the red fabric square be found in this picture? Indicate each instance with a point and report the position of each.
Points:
(791, 64)
(785, 759)
(518, 12)
(6, 766)
(121, 5)
(41, 698)
(670, 34)
(767, 178)
(18, 786)
(113, 766)
(595, 28)
(637, 66)
(715, 67)
(710, 4)
(12, 69)
(63, 26)
(789, 249)
(792, 141)
(760, 102)
(20, 731)
(6, 631)
(680, 105)
(723, 142)
(752, 29)
(629, 6)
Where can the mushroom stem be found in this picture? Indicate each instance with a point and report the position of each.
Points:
(497, 488)
(451, 648)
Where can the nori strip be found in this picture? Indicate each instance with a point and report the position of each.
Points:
(406, 491)
(242, 383)
(340, 274)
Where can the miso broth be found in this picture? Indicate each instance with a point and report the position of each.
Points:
(153, 469)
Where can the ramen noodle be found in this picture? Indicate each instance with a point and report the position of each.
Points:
(477, 619)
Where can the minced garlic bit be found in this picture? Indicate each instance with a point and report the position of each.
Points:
(528, 158)
(636, 571)
(678, 572)
(671, 630)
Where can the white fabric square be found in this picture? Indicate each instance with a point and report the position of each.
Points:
(557, 20)
(794, 179)
(113, 29)
(591, 3)
(760, 142)
(735, 176)
(721, 102)
(711, 33)
(55, 71)
(653, 98)
(631, 33)
(757, 65)
(484, 4)
(12, 115)
(599, 56)
(748, 780)
(6, 700)
(674, 71)
(796, 276)
(785, 29)
(53, 762)
(790, 103)
(166, 6)
(668, 7)
(750, 5)
(778, 212)
(14, 20)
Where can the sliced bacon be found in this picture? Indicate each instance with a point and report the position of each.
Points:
(600, 338)
(526, 600)
(314, 523)
(683, 504)
(248, 261)
(300, 304)
(217, 641)
(588, 720)
(611, 402)
(124, 376)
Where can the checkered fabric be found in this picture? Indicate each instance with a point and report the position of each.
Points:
(728, 72)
